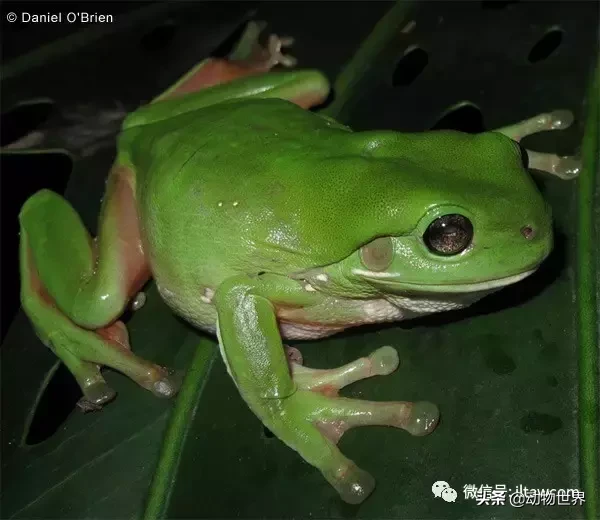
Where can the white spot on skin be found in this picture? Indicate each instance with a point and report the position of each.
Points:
(220, 204)
(207, 295)
(235, 203)
(309, 287)
(322, 277)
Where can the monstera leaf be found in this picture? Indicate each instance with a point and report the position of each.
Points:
(515, 377)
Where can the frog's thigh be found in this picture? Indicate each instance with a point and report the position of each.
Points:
(73, 289)
(308, 421)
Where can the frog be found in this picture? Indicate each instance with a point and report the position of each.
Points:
(262, 221)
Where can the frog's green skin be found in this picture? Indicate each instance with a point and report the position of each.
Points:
(257, 219)
(302, 208)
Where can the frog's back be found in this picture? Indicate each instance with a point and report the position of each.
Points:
(264, 185)
(209, 176)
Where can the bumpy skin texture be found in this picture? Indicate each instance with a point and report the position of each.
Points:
(261, 220)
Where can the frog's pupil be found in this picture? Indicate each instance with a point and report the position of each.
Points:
(449, 234)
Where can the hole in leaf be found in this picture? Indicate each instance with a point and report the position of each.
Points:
(56, 403)
(26, 174)
(546, 45)
(159, 37)
(410, 66)
(464, 117)
(268, 433)
(24, 119)
(497, 4)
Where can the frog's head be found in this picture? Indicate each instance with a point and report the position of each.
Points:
(470, 220)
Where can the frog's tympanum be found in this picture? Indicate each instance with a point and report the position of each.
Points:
(260, 220)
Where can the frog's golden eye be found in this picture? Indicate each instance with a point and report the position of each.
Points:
(378, 254)
(449, 235)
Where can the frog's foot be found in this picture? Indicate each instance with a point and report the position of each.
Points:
(85, 352)
(566, 167)
(251, 53)
(161, 381)
(416, 418)
(249, 58)
(314, 418)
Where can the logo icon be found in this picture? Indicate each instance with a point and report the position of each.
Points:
(442, 489)
(449, 495)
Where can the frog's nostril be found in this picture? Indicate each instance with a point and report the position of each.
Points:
(528, 232)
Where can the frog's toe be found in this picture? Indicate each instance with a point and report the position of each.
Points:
(381, 362)
(561, 119)
(294, 356)
(566, 167)
(384, 361)
(423, 418)
(555, 120)
(352, 483)
(168, 385)
(342, 414)
(138, 301)
(250, 52)
(96, 396)
(276, 56)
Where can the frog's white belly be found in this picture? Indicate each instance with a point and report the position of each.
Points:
(331, 316)
(317, 322)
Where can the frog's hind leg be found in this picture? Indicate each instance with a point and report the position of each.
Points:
(566, 167)
(74, 288)
(248, 58)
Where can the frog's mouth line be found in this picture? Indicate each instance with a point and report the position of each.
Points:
(451, 287)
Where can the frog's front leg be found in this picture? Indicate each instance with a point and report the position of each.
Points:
(304, 411)
(74, 288)
(566, 167)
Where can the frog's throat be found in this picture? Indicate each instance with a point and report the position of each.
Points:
(381, 279)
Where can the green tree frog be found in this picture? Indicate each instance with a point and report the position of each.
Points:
(260, 221)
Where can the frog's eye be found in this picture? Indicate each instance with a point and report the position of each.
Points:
(378, 254)
(449, 234)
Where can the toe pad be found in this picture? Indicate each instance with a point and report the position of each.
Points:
(384, 361)
(169, 385)
(424, 417)
(353, 484)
